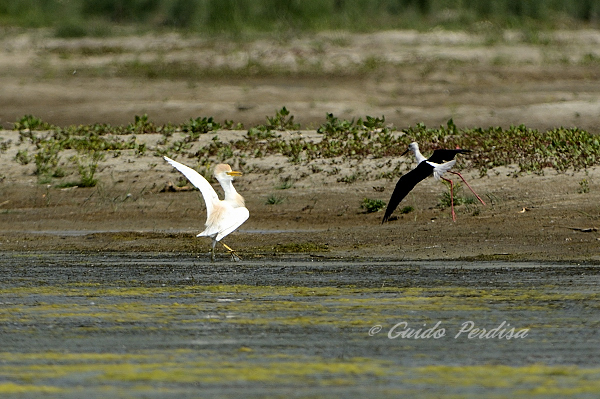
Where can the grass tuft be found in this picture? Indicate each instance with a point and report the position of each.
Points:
(372, 205)
(274, 200)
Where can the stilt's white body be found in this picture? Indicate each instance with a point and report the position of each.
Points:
(440, 169)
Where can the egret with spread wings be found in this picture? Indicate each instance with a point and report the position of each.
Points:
(440, 162)
(222, 216)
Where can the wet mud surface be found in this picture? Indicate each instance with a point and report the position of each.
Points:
(175, 325)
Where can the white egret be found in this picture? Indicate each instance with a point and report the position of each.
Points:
(222, 216)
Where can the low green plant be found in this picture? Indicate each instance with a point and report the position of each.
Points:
(141, 124)
(22, 157)
(255, 134)
(293, 149)
(406, 209)
(59, 172)
(47, 157)
(180, 146)
(584, 186)
(285, 183)
(87, 165)
(225, 152)
(372, 205)
(445, 200)
(348, 179)
(231, 125)
(182, 182)
(200, 125)
(274, 200)
(4, 145)
(140, 149)
(30, 122)
(282, 121)
(372, 123)
(335, 126)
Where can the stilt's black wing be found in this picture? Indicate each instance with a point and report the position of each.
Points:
(406, 183)
(441, 156)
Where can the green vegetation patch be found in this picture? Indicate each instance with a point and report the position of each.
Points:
(372, 205)
(531, 150)
(242, 17)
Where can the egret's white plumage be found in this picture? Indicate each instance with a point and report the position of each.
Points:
(222, 216)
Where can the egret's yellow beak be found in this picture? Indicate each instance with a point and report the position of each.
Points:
(234, 173)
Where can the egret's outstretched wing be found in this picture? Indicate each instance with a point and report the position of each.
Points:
(443, 155)
(406, 183)
(233, 221)
(208, 193)
(226, 220)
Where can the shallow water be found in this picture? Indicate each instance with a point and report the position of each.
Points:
(172, 325)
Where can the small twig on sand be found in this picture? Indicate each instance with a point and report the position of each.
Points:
(583, 229)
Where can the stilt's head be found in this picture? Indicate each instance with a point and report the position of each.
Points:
(223, 172)
(414, 147)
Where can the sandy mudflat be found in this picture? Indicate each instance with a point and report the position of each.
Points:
(529, 217)
(428, 77)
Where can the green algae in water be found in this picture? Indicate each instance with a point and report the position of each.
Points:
(336, 308)
(535, 379)
(43, 372)
(9, 388)
(268, 305)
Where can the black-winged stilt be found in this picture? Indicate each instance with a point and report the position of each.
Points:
(440, 162)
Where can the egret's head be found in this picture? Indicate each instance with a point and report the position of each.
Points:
(224, 172)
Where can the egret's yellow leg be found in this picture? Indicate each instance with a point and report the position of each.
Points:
(234, 255)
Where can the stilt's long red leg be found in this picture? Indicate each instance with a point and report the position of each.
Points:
(473, 191)
(451, 198)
